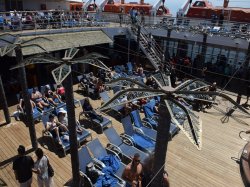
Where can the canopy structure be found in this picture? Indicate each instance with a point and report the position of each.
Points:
(64, 41)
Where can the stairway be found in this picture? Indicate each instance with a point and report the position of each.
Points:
(148, 45)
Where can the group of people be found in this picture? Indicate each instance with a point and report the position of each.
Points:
(59, 127)
(43, 100)
(24, 166)
(93, 82)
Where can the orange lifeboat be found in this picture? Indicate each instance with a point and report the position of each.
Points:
(116, 8)
(205, 10)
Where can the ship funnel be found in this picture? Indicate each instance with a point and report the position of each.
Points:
(141, 2)
(122, 1)
(225, 4)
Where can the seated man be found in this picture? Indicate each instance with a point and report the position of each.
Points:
(139, 71)
(55, 128)
(37, 97)
(133, 171)
(87, 107)
(63, 119)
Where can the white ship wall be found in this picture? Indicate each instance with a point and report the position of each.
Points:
(50, 4)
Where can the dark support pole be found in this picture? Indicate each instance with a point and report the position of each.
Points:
(138, 41)
(3, 100)
(26, 97)
(204, 47)
(246, 64)
(161, 143)
(72, 130)
(167, 55)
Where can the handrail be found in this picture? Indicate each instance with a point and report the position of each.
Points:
(55, 19)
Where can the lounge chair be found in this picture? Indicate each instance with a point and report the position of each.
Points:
(144, 127)
(116, 110)
(152, 118)
(130, 68)
(95, 123)
(123, 144)
(81, 137)
(100, 152)
(140, 141)
(84, 159)
(37, 114)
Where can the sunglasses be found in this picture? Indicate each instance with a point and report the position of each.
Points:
(137, 161)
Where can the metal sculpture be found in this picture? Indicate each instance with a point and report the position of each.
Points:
(192, 127)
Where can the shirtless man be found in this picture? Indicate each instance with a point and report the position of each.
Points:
(132, 172)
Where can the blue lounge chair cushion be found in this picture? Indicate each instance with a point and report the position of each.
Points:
(130, 151)
(65, 144)
(111, 161)
(152, 122)
(149, 132)
(173, 129)
(83, 135)
(36, 113)
(142, 142)
(104, 123)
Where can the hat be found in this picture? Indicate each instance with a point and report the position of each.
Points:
(61, 110)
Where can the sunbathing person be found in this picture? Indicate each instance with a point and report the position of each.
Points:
(56, 128)
(63, 119)
(133, 171)
(37, 97)
(61, 91)
(51, 96)
(88, 109)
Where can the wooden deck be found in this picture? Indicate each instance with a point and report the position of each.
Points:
(212, 166)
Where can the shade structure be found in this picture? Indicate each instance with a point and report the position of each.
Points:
(64, 41)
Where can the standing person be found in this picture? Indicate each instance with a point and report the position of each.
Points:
(133, 171)
(22, 167)
(203, 73)
(41, 169)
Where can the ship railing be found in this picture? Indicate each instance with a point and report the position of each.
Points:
(34, 20)
(195, 26)
(58, 19)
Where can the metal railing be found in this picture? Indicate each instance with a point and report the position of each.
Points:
(28, 20)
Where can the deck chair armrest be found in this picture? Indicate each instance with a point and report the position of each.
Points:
(46, 133)
(138, 130)
(99, 163)
(85, 179)
(113, 153)
(127, 139)
(78, 123)
(147, 124)
(114, 148)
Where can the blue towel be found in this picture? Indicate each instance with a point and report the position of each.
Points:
(111, 161)
(108, 179)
